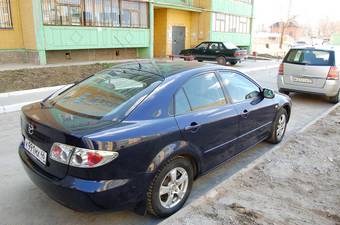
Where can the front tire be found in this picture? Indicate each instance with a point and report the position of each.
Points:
(233, 63)
(279, 127)
(334, 99)
(170, 187)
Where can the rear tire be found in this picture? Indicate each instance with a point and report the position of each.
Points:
(175, 180)
(233, 63)
(279, 127)
(284, 92)
(199, 60)
(334, 99)
(221, 60)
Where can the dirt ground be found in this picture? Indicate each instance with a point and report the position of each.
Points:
(15, 80)
(298, 183)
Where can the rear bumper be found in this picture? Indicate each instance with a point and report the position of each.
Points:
(331, 87)
(87, 195)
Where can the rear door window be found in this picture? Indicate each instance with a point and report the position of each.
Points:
(204, 91)
(310, 57)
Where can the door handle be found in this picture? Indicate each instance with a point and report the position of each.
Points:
(245, 114)
(194, 127)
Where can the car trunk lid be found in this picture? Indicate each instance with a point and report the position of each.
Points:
(45, 126)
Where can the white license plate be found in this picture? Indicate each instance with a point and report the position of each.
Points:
(302, 80)
(38, 153)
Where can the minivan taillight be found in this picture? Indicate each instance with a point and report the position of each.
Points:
(333, 73)
(281, 69)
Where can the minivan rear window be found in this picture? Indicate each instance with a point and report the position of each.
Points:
(310, 57)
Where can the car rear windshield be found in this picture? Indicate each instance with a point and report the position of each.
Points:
(310, 57)
(112, 93)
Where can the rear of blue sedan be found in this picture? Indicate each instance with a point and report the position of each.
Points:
(135, 136)
(65, 151)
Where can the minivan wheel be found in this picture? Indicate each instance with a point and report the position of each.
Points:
(170, 187)
(334, 99)
(279, 127)
(284, 92)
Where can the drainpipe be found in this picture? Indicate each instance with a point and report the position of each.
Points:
(251, 26)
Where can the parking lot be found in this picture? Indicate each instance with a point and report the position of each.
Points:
(23, 203)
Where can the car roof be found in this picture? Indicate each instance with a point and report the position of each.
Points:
(317, 47)
(163, 68)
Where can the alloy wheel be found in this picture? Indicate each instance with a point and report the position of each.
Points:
(281, 126)
(173, 187)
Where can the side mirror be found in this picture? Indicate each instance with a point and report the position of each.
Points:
(267, 93)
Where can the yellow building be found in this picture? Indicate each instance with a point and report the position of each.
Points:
(17, 35)
(58, 31)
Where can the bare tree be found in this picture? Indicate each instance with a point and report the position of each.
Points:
(286, 23)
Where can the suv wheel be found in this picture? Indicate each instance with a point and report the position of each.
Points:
(284, 92)
(279, 127)
(335, 99)
(170, 188)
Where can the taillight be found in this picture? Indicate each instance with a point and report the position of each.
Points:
(61, 153)
(237, 54)
(81, 157)
(281, 69)
(86, 158)
(333, 73)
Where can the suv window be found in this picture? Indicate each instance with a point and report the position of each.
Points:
(239, 87)
(202, 92)
(310, 57)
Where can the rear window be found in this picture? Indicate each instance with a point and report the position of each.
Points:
(109, 93)
(310, 57)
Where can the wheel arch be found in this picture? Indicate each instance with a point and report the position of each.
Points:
(287, 107)
(177, 149)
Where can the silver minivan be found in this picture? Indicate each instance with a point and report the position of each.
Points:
(312, 70)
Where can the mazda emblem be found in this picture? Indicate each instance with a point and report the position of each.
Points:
(30, 129)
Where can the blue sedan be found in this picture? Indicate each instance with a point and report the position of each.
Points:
(135, 136)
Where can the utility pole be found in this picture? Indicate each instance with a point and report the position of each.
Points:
(286, 23)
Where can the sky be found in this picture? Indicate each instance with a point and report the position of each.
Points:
(308, 12)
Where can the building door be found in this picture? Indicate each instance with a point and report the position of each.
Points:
(178, 39)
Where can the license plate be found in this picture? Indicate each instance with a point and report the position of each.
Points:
(38, 153)
(302, 80)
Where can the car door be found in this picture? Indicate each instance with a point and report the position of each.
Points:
(205, 118)
(256, 113)
(200, 51)
(213, 51)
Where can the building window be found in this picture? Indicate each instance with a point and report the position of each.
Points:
(230, 23)
(62, 12)
(134, 14)
(5, 15)
(99, 13)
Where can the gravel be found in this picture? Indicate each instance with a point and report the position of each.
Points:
(297, 183)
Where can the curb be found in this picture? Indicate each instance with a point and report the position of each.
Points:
(214, 191)
(31, 91)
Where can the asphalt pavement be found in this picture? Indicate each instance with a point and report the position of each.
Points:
(23, 203)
